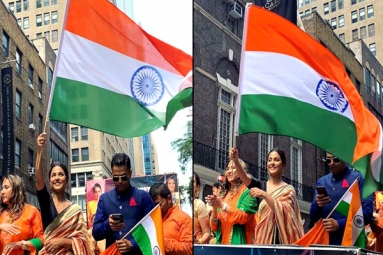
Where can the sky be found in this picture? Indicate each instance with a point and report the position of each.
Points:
(171, 22)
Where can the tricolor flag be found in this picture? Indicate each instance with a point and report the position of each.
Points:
(351, 207)
(291, 85)
(114, 77)
(149, 234)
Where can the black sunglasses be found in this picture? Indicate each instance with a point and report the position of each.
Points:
(123, 178)
(334, 159)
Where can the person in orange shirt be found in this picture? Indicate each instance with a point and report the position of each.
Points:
(177, 225)
(21, 226)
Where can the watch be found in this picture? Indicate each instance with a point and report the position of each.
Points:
(24, 246)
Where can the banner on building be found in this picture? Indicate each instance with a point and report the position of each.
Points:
(8, 133)
(284, 8)
(95, 188)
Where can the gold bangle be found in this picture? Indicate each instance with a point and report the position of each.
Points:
(200, 241)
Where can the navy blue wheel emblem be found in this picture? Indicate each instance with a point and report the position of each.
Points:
(331, 96)
(156, 250)
(359, 221)
(147, 86)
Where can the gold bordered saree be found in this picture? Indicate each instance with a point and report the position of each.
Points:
(69, 224)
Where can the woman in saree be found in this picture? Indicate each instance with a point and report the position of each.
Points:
(278, 218)
(201, 216)
(91, 207)
(64, 226)
(21, 226)
(232, 217)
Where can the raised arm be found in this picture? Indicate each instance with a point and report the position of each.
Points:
(246, 178)
(39, 162)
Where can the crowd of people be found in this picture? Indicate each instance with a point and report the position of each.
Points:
(240, 210)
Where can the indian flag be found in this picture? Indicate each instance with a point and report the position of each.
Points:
(291, 85)
(351, 207)
(114, 77)
(149, 234)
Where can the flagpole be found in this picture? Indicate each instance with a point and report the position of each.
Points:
(333, 209)
(130, 231)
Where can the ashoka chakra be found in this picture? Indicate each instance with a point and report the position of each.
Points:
(331, 96)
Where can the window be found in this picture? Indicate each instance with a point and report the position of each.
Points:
(340, 4)
(53, 2)
(5, 44)
(300, 3)
(19, 22)
(50, 77)
(354, 17)
(371, 30)
(333, 6)
(341, 37)
(84, 154)
(367, 79)
(26, 5)
(55, 35)
(60, 129)
(54, 17)
(363, 32)
(46, 18)
(333, 23)
(372, 82)
(18, 6)
(40, 123)
(17, 152)
(39, 35)
(12, 7)
(325, 8)
(74, 133)
(30, 114)
(372, 48)
(18, 104)
(47, 35)
(30, 76)
(40, 88)
(370, 11)
(38, 20)
(38, 3)
(81, 179)
(46, 2)
(226, 114)
(354, 34)
(362, 14)
(353, 2)
(378, 88)
(341, 21)
(84, 133)
(265, 145)
(307, 1)
(73, 182)
(58, 154)
(18, 61)
(75, 156)
(30, 158)
(296, 165)
(26, 22)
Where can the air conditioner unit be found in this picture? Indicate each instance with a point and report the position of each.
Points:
(39, 94)
(235, 10)
(32, 127)
(31, 171)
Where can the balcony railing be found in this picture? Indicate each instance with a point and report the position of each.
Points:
(209, 157)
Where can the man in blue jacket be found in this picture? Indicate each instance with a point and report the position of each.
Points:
(133, 204)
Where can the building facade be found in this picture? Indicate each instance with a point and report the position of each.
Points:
(40, 18)
(32, 63)
(149, 156)
(351, 20)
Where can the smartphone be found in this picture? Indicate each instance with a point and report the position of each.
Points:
(117, 217)
(322, 190)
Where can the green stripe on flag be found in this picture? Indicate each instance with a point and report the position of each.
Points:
(182, 100)
(361, 240)
(100, 109)
(343, 208)
(269, 114)
(142, 239)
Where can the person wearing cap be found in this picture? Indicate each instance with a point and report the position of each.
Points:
(336, 183)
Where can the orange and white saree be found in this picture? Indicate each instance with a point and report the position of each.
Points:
(70, 224)
(284, 224)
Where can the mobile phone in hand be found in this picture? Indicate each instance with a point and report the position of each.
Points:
(117, 217)
(322, 190)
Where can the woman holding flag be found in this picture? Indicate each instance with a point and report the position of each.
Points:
(65, 231)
